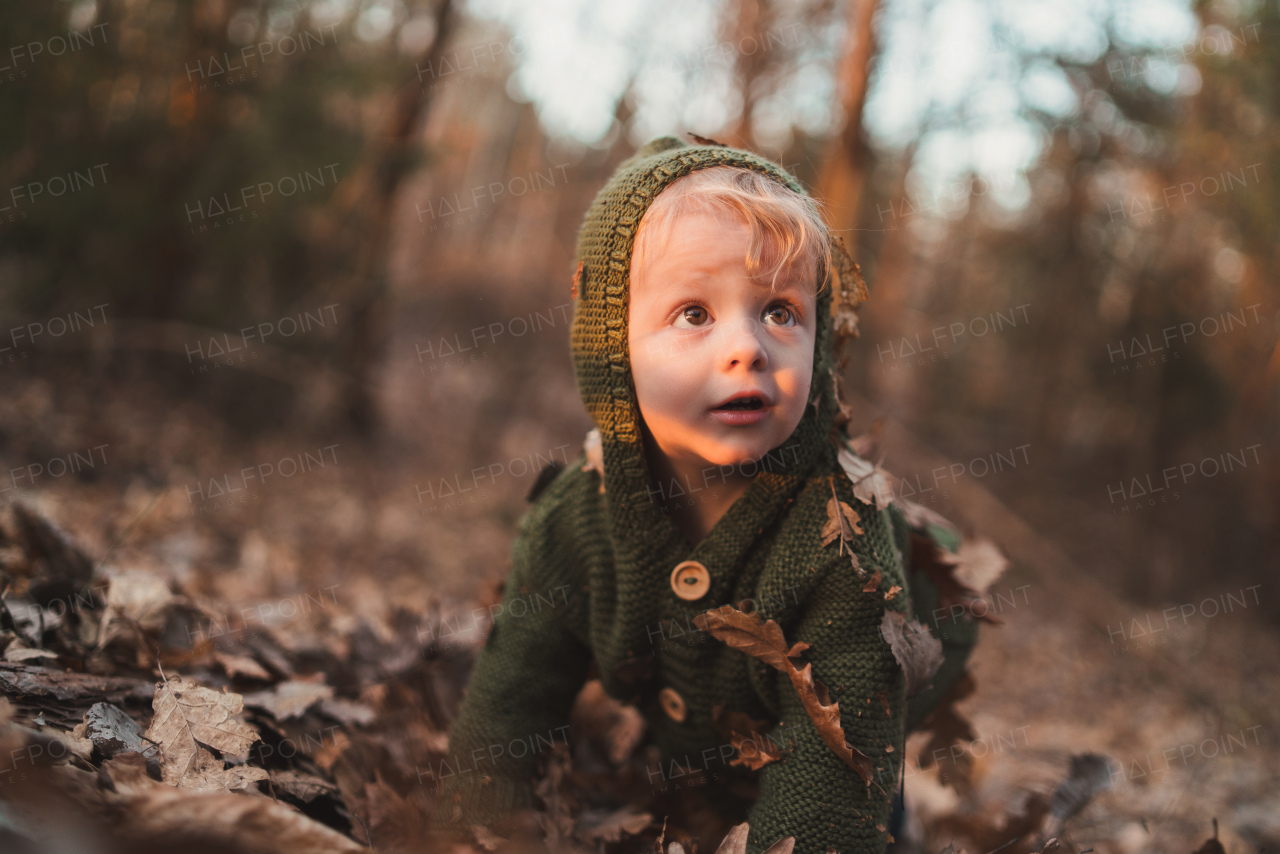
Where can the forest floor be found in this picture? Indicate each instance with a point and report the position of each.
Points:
(332, 613)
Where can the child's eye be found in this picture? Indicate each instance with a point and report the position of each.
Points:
(779, 314)
(692, 315)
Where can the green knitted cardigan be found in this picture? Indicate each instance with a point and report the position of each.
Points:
(590, 580)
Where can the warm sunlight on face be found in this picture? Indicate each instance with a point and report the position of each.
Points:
(721, 365)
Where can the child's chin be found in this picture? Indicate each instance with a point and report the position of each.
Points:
(731, 457)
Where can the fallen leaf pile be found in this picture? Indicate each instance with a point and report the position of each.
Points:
(138, 713)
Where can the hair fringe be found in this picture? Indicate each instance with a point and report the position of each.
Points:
(786, 227)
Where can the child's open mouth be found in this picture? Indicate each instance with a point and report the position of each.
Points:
(742, 410)
(749, 403)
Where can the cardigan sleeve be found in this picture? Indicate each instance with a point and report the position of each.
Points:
(958, 635)
(526, 677)
(811, 793)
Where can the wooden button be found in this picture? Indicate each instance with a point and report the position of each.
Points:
(672, 704)
(690, 580)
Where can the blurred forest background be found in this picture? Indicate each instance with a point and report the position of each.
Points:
(235, 232)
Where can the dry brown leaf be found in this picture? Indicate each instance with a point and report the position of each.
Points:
(187, 716)
(241, 665)
(1090, 775)
(395, 822)
(919, 517)
(942, 568)
(486, 838)
(844, 524)
(873, 583)
(147, 810)
(981, 562)
(1212, 845)
(727, 723)
(948, 727)
(841, 524)
(135, 600)
(891, 592)
(347, 712)
(756, 750)
(330, 753)
(611, 825)
(764, 640)
(785, 845)
(869, 480)
(917, 651)
(557, 821)
(292, 698)
(705, 140)
(305, 787)
(748, 633)
(735, 841)
(17, 652)
(867, 444)
(616, 726)
(744, 731)
(989, 831)
(845, 321)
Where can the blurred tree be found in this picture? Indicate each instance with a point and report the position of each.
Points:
(219, 130)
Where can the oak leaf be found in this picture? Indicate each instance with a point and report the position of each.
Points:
(764, 640)
(842, 523)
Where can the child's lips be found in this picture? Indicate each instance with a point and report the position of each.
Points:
(740, 417)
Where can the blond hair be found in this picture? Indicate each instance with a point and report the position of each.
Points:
(786, 227)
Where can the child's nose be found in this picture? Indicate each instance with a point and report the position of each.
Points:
(744, 347)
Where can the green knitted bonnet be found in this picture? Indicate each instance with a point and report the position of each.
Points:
(599, 335)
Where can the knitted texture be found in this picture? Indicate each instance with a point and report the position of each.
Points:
(590, 581)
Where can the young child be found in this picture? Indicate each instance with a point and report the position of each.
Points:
(702, 338)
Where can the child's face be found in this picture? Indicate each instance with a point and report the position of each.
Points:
(702, 332)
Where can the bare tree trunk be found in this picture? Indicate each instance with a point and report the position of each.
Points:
(749, 27)
(843, 176)
(360, 228)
